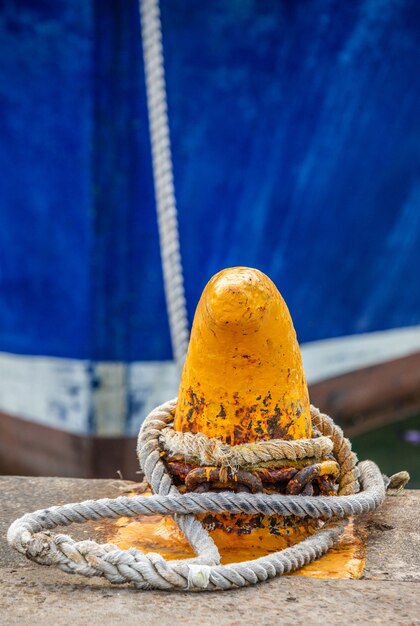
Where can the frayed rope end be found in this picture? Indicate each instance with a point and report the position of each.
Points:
(398, 480)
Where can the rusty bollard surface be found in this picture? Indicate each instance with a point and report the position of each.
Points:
(243, 382)
(243, 378)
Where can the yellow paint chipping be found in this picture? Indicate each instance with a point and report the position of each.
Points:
(243, 378)
(243, 382)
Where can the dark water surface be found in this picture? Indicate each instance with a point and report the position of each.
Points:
(395, 447)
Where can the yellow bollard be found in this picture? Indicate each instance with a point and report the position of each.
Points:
(243, 378)
(243, 382)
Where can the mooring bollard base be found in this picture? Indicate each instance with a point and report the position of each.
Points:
(388, 593)
(161, 534)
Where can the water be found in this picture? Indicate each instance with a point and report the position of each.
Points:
(394, 448)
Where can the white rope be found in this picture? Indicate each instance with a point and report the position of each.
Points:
(163, 178)
(212, 451)
(31, 535)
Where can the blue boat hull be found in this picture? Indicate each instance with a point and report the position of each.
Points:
(296, 142)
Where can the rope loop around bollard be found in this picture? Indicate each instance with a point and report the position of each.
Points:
(31, 534)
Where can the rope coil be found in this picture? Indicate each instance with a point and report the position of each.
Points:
(31, 534)
(211, 451)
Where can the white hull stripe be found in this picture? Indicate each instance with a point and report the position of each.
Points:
(113, 398)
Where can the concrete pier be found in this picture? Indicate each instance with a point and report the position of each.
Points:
(388, 593)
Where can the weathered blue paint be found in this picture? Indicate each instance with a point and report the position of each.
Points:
(127, 305)
(296, 141)
(45, 182)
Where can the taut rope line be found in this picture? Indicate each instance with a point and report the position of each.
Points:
(173, 278)
(31, 535)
